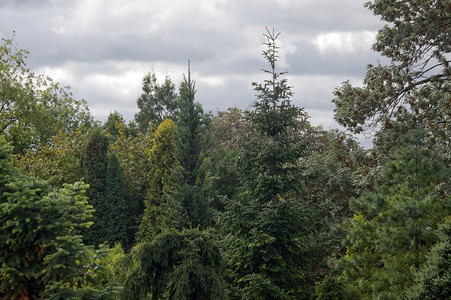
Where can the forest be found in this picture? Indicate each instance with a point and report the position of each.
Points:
(256, 204)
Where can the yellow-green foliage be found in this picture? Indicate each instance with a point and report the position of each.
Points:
(162, 160)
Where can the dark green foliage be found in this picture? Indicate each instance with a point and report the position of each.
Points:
(188, 203)
(433, 280)
(329, 289)
(158, 102)
(265, 223)
(116, 208)
(95, 165)
(184, 264)
(41, 249)
(395, 220)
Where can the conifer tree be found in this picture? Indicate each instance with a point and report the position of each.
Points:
(95, 164)
(162, 161)
(188, 198)
(266, 223)
(395, 221)
(433, 280)
(184, 261)
(116, 208)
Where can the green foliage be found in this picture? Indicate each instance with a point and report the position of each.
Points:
(162, 161)
(58, 161)
(114, 126)
(395, 223)
(116, 208)
(415, 88)
(133, 155)
(188, 203)
(95, 165)
(41, 249)
(158, 102)
(265, 224)
(433, 280)
(329, 289)
(34, 108)
(185, 264)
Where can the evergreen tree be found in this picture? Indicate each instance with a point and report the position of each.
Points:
(266, 223)
(116, 208)
(177, 264)
(188, 198)
(184, 261)
(395, 221)
(95, 164)
(162, 161)
(433, 281)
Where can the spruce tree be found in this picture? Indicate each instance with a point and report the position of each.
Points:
(266, 222)
(116, 208)
(95, 164)
(188, 198)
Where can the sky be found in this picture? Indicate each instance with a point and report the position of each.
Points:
(103, 48)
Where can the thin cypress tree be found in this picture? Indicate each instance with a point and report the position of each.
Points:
(95, 164)
(116, 208)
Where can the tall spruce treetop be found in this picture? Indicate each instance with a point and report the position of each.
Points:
(275, 119)
(265, 222)
(188, 199)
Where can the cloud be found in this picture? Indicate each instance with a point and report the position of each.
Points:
(103, 48)
(332, 43)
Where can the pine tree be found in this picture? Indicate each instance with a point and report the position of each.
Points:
(162, 161)
(433, 280)
(266, 223)
(395, 222)
(116, 208)
(95, 164)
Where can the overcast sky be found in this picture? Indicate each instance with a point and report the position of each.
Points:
(103, 48)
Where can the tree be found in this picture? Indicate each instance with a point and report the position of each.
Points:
(39, 236)
(177, 264)
(433, 280)
(158, 102)
(33, 108)
(41, 251)
(116, 208)
(265, 223)
(395, 221)
(188, 203)
(115, 124)
(58, 161)
(415, 88)
(95, 165)
(162, 161)
(133, 155)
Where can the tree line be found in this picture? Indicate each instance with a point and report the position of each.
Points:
(255, 204)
